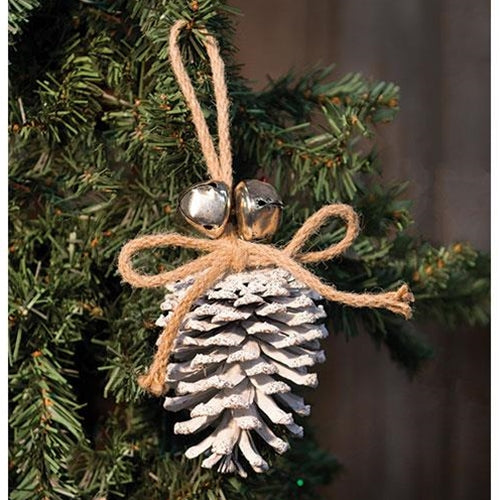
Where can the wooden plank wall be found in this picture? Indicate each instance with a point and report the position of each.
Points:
(427, 438)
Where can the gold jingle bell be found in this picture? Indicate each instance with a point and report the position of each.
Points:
(258, 209)
(206, 206)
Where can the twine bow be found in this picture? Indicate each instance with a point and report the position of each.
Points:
(229, 253)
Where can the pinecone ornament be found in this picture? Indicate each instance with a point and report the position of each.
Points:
(242, 323)
(240, 353)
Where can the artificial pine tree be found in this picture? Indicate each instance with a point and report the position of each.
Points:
(101, 146)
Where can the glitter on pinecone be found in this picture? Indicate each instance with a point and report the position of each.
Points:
(244, 346)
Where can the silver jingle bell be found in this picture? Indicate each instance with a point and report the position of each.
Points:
(258, 209)
(206, 206)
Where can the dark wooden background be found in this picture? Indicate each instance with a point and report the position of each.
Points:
(399, 439)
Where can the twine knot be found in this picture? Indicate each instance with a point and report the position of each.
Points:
(405, 294)
(238, 256)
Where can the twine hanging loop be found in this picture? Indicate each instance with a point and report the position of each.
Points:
(219, 164)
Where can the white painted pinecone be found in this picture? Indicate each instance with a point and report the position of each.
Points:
(239, 353)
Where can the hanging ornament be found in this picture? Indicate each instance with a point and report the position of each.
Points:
(242, 323)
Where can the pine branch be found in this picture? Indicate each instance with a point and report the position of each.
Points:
(44, 429)
(19, 14)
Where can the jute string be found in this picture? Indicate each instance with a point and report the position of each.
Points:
(219, 166)
(229, 253)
